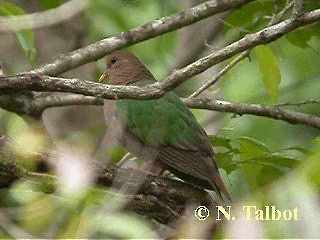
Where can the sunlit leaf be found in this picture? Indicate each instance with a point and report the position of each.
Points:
(270, 71)
(25, 38)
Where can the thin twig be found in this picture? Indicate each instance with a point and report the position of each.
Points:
(276, 17)
(217, 76)
(298, 8)
(313, 101)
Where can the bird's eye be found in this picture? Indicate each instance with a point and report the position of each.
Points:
(113, 60)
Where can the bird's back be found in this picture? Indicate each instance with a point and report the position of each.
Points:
(172, 135)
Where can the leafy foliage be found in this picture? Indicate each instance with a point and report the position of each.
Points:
(269, 68)
(261, 164)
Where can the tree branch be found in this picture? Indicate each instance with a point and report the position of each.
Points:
(34, 106)
(43, 19)
(275, 112)
(35, 82)
(149, 30)
(263, 36)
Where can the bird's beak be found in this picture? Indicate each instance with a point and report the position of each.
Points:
(104, 76)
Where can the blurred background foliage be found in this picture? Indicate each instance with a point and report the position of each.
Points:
(262, 160)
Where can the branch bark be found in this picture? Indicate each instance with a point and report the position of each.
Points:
(149, 30)
(34, 105)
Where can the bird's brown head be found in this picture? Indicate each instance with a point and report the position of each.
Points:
(124, 68)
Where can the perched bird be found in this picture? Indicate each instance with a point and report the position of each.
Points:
(163, 132)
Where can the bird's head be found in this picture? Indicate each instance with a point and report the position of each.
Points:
(124, 68)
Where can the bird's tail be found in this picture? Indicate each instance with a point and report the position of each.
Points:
(219, 187)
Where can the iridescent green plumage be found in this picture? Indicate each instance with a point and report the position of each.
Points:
(160, 122)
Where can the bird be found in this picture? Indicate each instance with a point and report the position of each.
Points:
(162, 132)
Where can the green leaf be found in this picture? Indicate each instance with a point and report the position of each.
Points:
(220, 142)
(115, 154)
(301, 150)
(270, 71)
(224, 161)
(279, 161)
(25, 38)
(301, 37)
(250, 148)
(246, 17)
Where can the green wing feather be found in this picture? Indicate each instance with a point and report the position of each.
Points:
(161, 122)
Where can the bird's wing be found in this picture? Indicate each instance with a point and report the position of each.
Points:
(168, 125)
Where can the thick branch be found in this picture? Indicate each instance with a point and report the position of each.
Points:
(149, 30)
(34, 106)
(35, 82)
